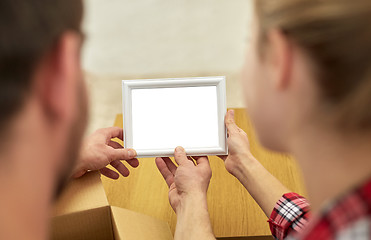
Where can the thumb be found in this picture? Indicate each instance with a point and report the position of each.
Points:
(230, 123)
(121, 154)
(180, 156)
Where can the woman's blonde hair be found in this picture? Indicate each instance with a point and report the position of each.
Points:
(336, 35)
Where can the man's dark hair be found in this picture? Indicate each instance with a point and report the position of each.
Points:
(28, 30)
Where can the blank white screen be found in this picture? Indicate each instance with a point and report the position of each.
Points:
(164, 118)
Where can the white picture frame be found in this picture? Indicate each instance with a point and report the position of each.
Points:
(161, 114)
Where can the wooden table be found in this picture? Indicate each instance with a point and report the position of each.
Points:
(233, 211)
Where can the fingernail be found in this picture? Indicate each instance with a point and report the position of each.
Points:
(232, 112)
(132, 153)
(179, 149)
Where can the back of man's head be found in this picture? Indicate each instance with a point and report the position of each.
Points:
(29, 29)
(43, 109)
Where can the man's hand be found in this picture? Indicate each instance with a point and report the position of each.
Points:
(238, 146)
(187, 180)
(188, 184)
(99, 150)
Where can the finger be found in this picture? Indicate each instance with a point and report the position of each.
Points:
(170, 165)
(113, 132)
(133, 162)
(230, 123)
(223, 157)
(202, 160)
(180, 156)
(120, 167)
(115, 145)
(109, 173)
(121, 154)
(165, 171)
(192, 160)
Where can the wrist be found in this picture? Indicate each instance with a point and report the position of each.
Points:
(80, 166)
(193, 221)
(244, 165)
(190, 200)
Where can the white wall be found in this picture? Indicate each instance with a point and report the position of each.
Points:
(129, 39)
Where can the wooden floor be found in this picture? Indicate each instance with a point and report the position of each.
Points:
(233, 212)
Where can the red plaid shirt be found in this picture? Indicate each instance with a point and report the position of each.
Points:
(347, 218)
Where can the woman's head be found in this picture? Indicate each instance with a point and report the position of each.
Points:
(310, 64)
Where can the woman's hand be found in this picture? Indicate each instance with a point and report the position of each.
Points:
(263, 186)
(238, 146)
(99, 150)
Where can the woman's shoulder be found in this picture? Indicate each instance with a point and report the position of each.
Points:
(349, 217)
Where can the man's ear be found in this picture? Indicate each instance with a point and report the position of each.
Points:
(280, 58)
(58, 75)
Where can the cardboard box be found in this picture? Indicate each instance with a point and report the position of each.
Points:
(83, 212)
